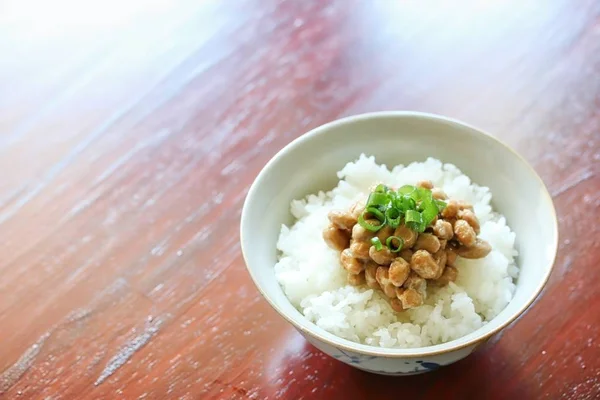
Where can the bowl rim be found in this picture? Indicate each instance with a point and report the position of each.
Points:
(349, 345)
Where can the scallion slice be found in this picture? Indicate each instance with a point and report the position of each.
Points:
(440, 204)
(390, 243)
(368, 226)
(414, 221)
(377, 243)
(425, 194)
(413, 216)
(429, 213)
(405, 203)
(421, 194)
(376, 213)
(406, 189)
(381, 188)
(393, 217)
(378, 199)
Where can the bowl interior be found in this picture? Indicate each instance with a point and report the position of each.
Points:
(310, 163)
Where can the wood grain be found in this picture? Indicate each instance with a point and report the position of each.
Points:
(131, 131)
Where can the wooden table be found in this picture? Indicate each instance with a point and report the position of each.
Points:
(130, 132)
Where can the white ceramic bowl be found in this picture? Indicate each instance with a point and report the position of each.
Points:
(309, 164)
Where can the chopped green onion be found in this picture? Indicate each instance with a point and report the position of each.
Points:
(425, 194)
(417, 227)
(440, 204)
(414, 221)
(429, 213)
(406, 203)
(381, 188)
(415, 195)
(377, 243)
(389, 242)
(393, 216)
(413, 216)
(368, 226)
(406, 189)
(378, 199)
(376, 212)
(421, 194)
(415, 205)
(392, 196)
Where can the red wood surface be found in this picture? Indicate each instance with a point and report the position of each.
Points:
(130, 132)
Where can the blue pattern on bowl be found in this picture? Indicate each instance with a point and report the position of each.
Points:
(352, 359)
(357, 359)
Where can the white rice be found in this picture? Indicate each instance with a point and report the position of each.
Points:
(314, 281)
